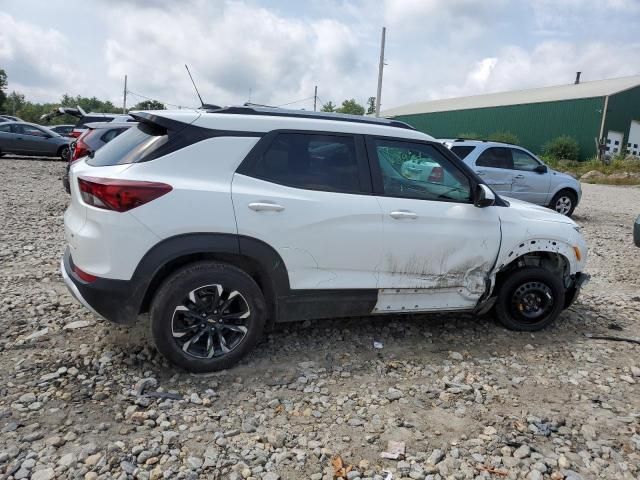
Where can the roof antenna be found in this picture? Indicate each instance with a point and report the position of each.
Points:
(206, 106)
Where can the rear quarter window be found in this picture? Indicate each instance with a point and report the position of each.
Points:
(130, 147)
(462, 150)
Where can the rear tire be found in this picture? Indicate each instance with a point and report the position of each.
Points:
(207, 316)
(564, 202)
(530, 299)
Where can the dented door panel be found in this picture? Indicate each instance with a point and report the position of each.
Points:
(440, 259)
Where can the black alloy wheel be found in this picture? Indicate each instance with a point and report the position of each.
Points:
(207, 315)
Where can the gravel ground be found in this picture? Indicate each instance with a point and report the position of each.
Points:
(80, 398)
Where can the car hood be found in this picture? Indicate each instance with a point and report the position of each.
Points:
(536, 212)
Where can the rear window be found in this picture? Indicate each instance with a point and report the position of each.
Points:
(82, 121)
(462, 150)
(130, 147)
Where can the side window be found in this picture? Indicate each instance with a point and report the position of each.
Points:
(6, 128)
(523, 161)
(462, 150)
(310, 161)
(111, 134)
(33, 131)
(495, 157)
(415, 170)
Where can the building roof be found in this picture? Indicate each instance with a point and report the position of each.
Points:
(597, 88)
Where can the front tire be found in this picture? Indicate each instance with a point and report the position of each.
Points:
(530, 299)
(564, 202)
(207, 316)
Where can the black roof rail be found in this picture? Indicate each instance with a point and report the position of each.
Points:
(280, 112)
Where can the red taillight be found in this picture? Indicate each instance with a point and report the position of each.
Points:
(87, 277)
(437, 175)
(75, 133)
(81, 150)
(119, 195)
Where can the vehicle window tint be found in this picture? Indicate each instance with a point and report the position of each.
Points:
(33, 131)
(5, 128)
(130, 147)
(462, 150)
(495, 157)
(82, 121)
(315, 162)
(415, 170)
(523, 161)
(111, 134)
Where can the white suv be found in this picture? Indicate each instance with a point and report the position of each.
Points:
(220, 222)
(515, 172)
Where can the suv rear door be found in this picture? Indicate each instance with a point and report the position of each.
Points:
(438, 247)
(309, 196)
(495, 166)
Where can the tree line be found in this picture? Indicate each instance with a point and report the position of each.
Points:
(16, 104)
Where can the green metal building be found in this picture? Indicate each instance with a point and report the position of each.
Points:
(605, 109)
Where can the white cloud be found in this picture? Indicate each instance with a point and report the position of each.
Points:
(231, 50)
(435, 48)
(38, 58)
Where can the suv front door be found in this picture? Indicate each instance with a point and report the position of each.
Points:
(437, 246)
(309, 196)
(528, 184)
(495, 166)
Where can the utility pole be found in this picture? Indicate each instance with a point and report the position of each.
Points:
(124, 100)
(315, 98)
(380, 68)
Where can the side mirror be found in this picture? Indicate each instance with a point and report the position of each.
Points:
(541, 169)
(483, 196)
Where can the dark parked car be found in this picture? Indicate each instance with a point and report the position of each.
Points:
(24, 138)
(84, 118)
(96, 135)
(636, 232)
(64, 130)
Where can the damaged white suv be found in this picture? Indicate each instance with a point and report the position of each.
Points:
(220, 222)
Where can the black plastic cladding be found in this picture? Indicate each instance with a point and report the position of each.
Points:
(181, 134)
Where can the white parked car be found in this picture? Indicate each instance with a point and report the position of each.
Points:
(219, 222)
(515, 172)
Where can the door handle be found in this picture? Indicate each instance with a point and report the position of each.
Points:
(400, 214)
(265, 207)
(519, 176)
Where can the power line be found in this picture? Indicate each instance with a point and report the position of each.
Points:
(156, 100)
(297, 101)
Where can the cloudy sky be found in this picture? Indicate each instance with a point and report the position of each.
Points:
(274, 52)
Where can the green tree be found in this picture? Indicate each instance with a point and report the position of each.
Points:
(328, 107)
(14, 103)
(371, 105)
(504, 137)
(562, 148)
(149, 105)
(470, 136)
(3, 87)
(351, 107)
(89, 104)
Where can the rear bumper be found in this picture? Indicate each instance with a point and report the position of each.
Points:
(580, 280)
(114, 300)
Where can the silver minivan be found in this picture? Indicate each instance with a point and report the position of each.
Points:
(513, 171)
